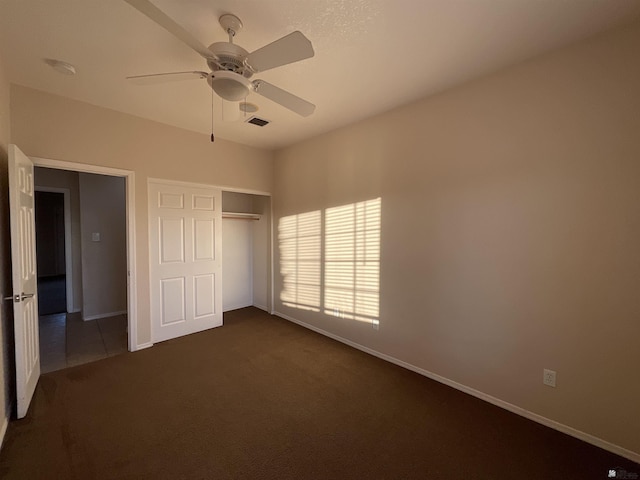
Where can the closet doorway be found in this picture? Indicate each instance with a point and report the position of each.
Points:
(246, 250)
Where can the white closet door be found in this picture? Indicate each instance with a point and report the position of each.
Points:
(237, 263)
(185, 264)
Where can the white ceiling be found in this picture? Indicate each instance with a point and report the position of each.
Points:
(371, 55)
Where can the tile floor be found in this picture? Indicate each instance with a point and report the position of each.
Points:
(66, 340)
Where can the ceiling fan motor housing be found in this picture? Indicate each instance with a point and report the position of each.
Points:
(229, 57)
(230, 74)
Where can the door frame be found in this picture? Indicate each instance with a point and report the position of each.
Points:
(271, 278)
(68, 260)
(129, 176)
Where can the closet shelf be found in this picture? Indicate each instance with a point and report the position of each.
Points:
(241, 216)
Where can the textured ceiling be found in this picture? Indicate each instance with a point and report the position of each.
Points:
(371, 55)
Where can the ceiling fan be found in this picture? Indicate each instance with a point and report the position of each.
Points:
(231, 65)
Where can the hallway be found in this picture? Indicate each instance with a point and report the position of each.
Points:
(66, 340)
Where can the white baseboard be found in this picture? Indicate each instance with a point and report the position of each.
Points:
(3, 430)
(598, 442)
(142, 346)
(229, 308)
(261, 307)
(103, 315)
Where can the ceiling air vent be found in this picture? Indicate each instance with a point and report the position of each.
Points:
(258, 121)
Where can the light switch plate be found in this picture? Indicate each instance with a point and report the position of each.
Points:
(549, 377)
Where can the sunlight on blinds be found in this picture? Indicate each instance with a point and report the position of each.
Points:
(330, 261)
(352, 261)
(300, 263)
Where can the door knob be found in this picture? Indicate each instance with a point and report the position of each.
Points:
(19, 298)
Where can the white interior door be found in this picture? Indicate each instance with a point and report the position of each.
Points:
(185, 263)
(23, 262)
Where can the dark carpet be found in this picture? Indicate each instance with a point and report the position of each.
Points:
(52, 294)
(262, 398)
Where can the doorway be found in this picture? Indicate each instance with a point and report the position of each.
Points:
(91, 321)
(50, 252)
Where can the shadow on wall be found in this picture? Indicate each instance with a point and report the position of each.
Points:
(330, 261)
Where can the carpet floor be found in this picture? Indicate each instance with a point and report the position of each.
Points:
(52, 294)
(262, 398)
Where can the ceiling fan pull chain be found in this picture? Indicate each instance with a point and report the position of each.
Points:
(212, 137)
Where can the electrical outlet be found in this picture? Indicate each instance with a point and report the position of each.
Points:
(375, 324)
(549, 377)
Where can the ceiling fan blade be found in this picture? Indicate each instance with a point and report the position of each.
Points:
(155, 78)
(284, 98)
(291, 48)
(154, 13)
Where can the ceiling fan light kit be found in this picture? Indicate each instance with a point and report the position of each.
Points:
(232, 66)
(229, 86)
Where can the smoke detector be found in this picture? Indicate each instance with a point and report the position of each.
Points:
(248, 107)
(61, 67)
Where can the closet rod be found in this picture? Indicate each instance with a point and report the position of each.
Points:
(241, 216)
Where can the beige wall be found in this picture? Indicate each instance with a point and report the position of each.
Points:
(54, 127)
(6, 311)
(510, 232)
(49, 177)
(237, 202)
(104, 262)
